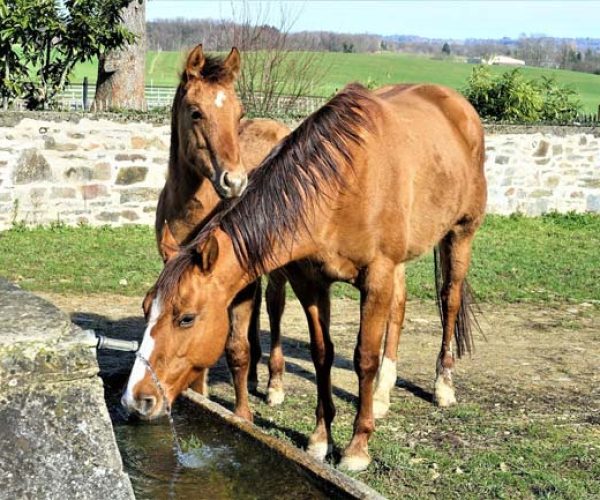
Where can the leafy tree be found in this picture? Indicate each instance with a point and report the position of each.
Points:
(446, 49)
(513, 98)
(12, 70)
(53, 36)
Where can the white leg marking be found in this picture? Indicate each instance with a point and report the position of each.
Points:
(139, 369)
(275, 396)
(319, 450)
(443, 389)
(386, 380)
(355, 463)
(220, 99)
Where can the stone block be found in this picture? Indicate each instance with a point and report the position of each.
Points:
(79, 174)
(102, 171)
(56, 434)
(552, 181)
(129, 215)
(557, 149)
(139, 195)
(50, 143)
(502, 159)
(62, 192)
(593, 203)
(129, 157)
(542, 149)
(540, 193)
(108, 216)
(93, 191)
(131, 175)
(32, 167)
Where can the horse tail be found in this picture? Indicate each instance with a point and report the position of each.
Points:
(466, 319)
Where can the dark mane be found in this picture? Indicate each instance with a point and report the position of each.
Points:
(276, 203)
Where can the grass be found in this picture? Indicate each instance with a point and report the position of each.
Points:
(420, 451)
(544, 259)
(162, 69)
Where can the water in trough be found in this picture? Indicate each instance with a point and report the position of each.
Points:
(219, 464)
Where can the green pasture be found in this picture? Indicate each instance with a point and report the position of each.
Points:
(544, 259)
(162, 69)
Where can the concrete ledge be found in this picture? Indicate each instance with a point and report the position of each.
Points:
(56, 434)
(337, 484)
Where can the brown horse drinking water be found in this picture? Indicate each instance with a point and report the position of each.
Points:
(211, 153)
(368, 182)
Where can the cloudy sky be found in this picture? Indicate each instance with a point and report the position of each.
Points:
(435, 19)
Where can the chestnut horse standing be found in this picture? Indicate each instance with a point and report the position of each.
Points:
(211, 153)
(368, 182)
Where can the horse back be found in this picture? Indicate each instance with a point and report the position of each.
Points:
(257, 138)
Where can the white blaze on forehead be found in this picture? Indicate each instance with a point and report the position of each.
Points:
(139, 369)
(220, 99)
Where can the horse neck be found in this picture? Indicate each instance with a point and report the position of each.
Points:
(234, 276)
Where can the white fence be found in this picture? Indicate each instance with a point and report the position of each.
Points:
(73, 99)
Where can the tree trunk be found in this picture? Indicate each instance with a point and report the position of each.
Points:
(120, 81)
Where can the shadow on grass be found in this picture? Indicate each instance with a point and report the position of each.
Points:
(115, 366)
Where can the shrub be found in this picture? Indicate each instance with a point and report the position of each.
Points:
(513, 98)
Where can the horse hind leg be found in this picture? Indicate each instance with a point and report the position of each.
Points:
(454, 259)
(275, 298)
(387, 374)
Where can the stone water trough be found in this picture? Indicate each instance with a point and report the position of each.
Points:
(57, 438)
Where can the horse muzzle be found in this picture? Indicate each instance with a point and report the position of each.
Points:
(145, 406)
(232, 185)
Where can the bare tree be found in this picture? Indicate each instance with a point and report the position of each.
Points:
(273, 77)
(121, 80)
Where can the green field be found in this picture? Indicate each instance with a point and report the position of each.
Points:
(162, 69)
(553, 258)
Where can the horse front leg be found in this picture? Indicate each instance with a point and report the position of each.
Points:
(275, 297)
(314, 297)
(254, 338)
(376, 294)
(237, 349)
(388, 371)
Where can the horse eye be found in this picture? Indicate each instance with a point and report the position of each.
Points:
(187, 320)
(196, 115)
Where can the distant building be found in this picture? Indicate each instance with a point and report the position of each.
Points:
(504, 61)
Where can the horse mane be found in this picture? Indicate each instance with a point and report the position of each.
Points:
(275, 205)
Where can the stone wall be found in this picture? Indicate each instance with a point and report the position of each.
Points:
(541, 171)
(56, 434)
(102, 170)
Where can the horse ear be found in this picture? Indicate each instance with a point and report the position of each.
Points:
(195, 63)
(207, 251)
(147, 303)
(169, 247)
(233, 63)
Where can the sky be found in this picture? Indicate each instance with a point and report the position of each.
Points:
(433, 19)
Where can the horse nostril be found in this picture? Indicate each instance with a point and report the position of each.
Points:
(229, 181)
(146, 404)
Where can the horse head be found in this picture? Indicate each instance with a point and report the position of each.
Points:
(187, 327)
(205, 121)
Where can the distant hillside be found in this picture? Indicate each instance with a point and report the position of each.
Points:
(162, 69)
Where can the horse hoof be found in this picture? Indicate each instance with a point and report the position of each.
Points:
(319, 450)
(252, 385)
(275, 397)
(443, 394)
(380, 408)
(355, 463)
